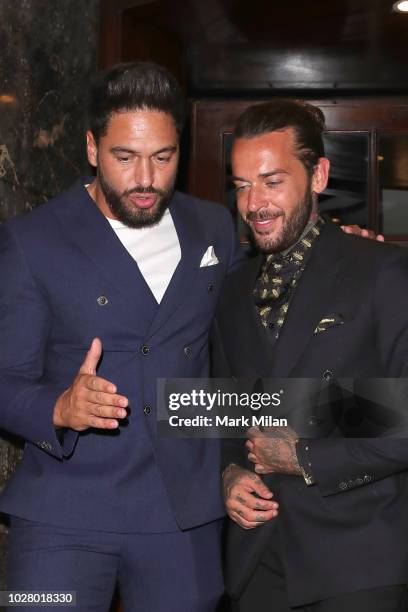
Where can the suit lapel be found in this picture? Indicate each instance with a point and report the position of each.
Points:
(88, 228)
(192, 247)
(310, 302)
(238, 299)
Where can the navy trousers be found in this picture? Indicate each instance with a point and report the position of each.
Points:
(163, 572)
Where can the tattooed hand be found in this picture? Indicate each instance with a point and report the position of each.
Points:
(273, 450)
(247, 499)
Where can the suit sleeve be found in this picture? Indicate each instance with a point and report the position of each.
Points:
(237, 252)
(232, 449)
(340, 464)
(26, 401)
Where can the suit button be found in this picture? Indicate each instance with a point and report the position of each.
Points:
(350, 484)
(343, 486)
(187, 350)
(44, 445)
(312, 421)
(102, 300)
(359, 481)
(147, 409)
(145, 350)
(327, 375)
(210, 287)
(367, 478)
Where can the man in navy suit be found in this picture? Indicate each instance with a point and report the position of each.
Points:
(106, 288)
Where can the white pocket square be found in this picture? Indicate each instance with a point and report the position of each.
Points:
(209, 258)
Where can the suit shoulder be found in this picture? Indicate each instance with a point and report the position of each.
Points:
(372, 252)
(42, 216)
(370, 267)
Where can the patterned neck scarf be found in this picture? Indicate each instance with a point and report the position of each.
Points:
(278, 278)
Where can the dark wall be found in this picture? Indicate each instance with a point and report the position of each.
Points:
(233, 48)
(49, 51)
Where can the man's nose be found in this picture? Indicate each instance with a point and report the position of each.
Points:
(255, 199)
(144, 173)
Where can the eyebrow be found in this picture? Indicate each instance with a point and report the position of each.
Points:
(262, 175)
(168, 149)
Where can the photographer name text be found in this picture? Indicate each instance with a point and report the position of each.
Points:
(226, 421)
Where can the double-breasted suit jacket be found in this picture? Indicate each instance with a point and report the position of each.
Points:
(65, 279)
(349, 530)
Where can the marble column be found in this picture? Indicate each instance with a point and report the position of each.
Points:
(49, 51)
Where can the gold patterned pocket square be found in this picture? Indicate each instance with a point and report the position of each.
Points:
(330, 320)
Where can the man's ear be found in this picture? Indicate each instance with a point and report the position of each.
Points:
(91, 149)
(320, 175)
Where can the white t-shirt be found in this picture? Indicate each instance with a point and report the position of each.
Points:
(156, 250)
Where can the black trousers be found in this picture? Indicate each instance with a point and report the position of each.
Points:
(266, 592)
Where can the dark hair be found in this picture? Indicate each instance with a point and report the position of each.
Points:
(306, 120)
(134, 86)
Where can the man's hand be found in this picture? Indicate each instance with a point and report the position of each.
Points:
(247, 499)
(273, 450)
(90, 401)
(365, 233)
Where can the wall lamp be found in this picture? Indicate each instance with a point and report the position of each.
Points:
(400, 7)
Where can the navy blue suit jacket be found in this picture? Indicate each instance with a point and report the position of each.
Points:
(54, 265)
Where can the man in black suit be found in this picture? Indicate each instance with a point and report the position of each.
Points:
(326, 528)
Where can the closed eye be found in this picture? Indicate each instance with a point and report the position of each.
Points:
(239, 188)
(273, 183)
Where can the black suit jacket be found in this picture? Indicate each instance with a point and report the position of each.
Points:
(333, 538)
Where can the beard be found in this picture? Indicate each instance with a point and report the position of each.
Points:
(291, 230)
(130, 215)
